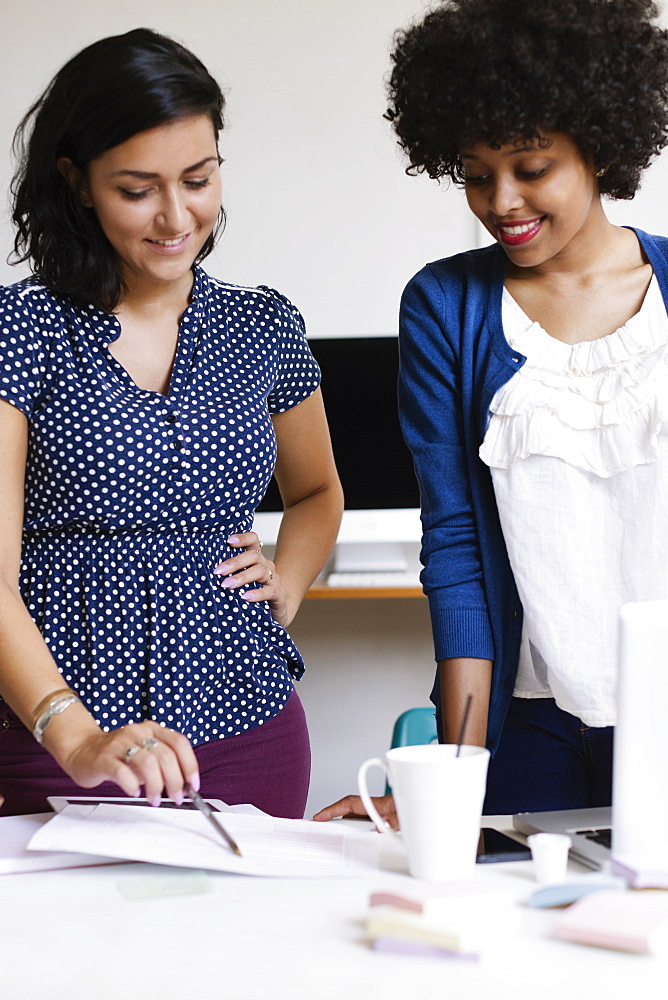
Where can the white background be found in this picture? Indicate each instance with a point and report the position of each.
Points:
(317, 201)
(314, 186)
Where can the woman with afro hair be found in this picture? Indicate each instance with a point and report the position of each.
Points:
(534, 376)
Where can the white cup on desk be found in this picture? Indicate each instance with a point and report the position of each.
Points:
(438, 797)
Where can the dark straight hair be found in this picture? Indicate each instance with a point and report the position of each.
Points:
(110, 91)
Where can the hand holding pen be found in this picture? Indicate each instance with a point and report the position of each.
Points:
(212, 817)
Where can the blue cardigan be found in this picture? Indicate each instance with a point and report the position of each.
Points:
(453, 358)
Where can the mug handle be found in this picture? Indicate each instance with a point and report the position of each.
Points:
(381, 824)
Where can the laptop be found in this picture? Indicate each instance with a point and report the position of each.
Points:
(634, 831)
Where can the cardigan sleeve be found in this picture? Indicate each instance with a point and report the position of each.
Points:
(432, 419)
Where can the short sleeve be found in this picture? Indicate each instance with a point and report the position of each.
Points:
(26, 328)
(297, 372)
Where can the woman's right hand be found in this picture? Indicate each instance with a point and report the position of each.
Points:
(140, 754)
(352, 805)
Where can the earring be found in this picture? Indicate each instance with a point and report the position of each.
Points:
(601, 172)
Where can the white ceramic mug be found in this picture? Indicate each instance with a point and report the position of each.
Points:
(438, 797)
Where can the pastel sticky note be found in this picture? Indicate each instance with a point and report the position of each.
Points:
(639, 878)
(186, 883)
(634, 921)
(565, 893)
(462, 933)
(454, 899)
(402, 946)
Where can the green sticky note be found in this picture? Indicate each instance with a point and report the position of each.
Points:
(189, 883)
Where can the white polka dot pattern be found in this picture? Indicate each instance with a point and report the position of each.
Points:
(131, 496)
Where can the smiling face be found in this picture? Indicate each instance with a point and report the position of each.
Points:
(157, 198)
(538, 200)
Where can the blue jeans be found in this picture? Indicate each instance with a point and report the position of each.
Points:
(548, 759)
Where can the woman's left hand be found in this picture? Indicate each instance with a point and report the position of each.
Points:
(351, 806)
(250, 566)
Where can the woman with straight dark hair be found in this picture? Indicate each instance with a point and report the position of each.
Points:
(143, 409)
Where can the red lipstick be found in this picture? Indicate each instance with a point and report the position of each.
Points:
(514, 234)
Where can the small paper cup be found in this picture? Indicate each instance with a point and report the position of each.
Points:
(549, 852)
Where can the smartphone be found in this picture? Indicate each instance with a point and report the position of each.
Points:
(494, 846)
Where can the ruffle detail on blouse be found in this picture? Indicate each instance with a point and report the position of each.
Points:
(598, 405)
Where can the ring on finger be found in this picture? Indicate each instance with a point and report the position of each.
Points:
(149, 743)
(271, 576)
(129, 753)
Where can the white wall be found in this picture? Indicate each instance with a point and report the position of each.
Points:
(366, 662)
(317, 200)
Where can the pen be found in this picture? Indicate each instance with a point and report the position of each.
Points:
(207, 811)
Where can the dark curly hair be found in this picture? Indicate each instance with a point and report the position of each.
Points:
(494, 71)
(104, 95)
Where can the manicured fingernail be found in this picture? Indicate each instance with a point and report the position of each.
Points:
(136, 793)
(155, 801)
(193, 781)
(220, 569)
(178, 799)
(230, 582)
(233, 540)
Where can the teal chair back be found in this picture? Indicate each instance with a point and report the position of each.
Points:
(414, 726)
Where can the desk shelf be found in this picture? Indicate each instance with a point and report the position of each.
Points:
(321, 592)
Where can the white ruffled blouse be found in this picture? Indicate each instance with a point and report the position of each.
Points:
(577, 444)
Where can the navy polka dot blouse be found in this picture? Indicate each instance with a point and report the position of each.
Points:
(130, 496)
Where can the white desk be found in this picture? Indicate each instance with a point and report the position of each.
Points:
(72, 935)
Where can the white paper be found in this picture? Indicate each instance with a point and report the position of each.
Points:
(269, 846)
(15, 835)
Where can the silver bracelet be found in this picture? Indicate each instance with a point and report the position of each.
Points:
(55, 707)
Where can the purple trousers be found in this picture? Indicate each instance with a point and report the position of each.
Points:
(268, 766)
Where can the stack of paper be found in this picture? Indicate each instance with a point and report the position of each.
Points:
(269, 846)
(16, 832)
(457, 920)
